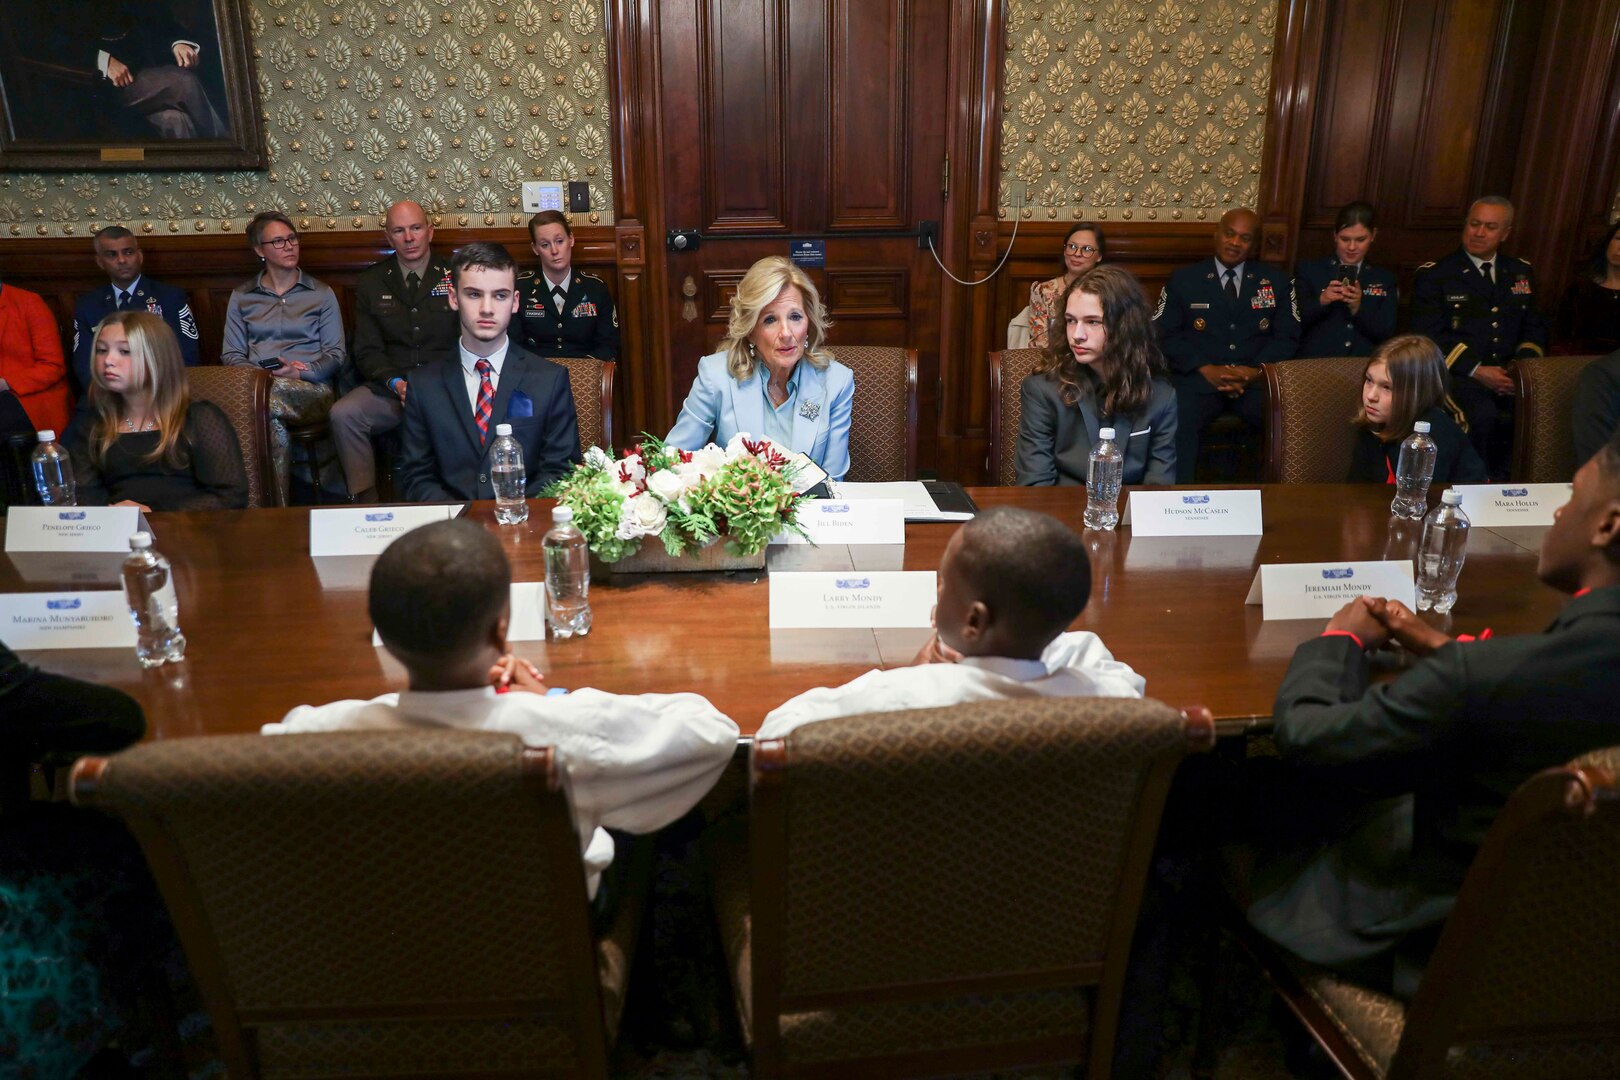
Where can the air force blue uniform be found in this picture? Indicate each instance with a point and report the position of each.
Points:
(1199, 324)
(1333, 329)
(169, 302)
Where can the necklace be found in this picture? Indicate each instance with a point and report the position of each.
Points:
(147, 424)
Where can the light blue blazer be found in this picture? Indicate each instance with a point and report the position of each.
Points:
(719, 406)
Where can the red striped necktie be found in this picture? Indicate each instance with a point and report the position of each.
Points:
(486, 400)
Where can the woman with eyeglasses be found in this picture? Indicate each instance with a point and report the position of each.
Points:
(283, 320)
(1082, 249)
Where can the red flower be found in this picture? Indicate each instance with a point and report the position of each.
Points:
(686, 456)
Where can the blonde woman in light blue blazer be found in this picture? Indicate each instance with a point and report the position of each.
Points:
(771, 377)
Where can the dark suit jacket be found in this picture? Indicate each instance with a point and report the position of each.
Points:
(1055, 440)
(1373, 460)
(1331, 329)
(1475, 323)
(1450, 740)
(166, 301)
(587, 326)
(397, 330)
(1199, 325)
(442, 459)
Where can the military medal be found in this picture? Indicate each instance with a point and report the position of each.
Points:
(809, 409)
(1198, 324)
(1265, 324)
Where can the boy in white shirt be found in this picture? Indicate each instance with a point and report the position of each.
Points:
(440, 599)
(1010, 582)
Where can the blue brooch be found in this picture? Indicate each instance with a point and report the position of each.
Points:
(809, 409)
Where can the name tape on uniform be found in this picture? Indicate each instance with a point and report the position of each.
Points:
(366, 530)
(1318, 590)
(71, 528)
(1497, 505)
(1194, 513)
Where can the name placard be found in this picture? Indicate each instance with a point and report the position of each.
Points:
(852, 600)
(1512, 504)
(71, 620)
(855, 521)
(366, 530)
(528, 618)
(71, 528)
(1194, 513)
(1317, 590)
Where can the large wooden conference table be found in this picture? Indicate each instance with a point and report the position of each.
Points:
(268, 629)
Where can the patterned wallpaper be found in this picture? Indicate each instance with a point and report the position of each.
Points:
(1135, 111)
(452, 102)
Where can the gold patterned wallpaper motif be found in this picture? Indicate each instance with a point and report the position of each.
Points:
(453, 103)
(1134, 111)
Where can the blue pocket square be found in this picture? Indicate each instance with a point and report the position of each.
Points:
(521, 407)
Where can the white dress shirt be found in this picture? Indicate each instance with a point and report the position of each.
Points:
(469, 370)
(635, 762)
(1076, 664)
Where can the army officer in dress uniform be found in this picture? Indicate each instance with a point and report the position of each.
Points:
(119, 255)
(1480, 308)
(1218, 321)
(564, 312)
(402, 320)
(1346, 305)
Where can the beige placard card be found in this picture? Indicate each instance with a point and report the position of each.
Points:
(854, 599)
(74, 620)
(1318, 590)
(71, 528)
(1497, 505)
(367, 530)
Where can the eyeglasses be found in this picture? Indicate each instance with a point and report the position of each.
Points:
(282, 243)
(1081, 249)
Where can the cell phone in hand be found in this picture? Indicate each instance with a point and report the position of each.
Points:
(270, 365)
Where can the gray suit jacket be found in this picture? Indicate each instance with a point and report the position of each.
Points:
(1055, 440)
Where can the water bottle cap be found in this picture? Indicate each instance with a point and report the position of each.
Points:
(1106, 433)
(140, 541)
(561, 514)
(47, 435)
(1421, 427)
(502, 429)
(1451, 497)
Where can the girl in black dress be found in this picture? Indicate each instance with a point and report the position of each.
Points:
(1405, 382)
(147, 443)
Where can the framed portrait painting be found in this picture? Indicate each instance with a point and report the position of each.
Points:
(127, 84)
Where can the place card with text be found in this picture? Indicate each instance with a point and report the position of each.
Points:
(366, 530)
(852, 599)
(1317, 590)
(71, 528)
(1194, 513)
(69, 620)
(855, 521)
(1496, 505)
(528, 619)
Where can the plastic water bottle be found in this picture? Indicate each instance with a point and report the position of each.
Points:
(506, 471)
(568, 576)
(153, 605)
(1414, 469)
(53, 472)
(1441, 553)
(1103, 473)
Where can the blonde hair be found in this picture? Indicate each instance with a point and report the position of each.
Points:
(1418, 381)
(758, 290)
(154, 364)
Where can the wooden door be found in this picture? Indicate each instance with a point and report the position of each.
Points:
(785, 120)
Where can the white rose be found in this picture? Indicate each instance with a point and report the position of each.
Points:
(597, 458)
(735, 448)
(643, 515)
(707, 461)
(667, 484)
(625, 488)
(632, 467)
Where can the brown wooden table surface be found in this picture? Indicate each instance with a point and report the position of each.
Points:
(268, 629)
